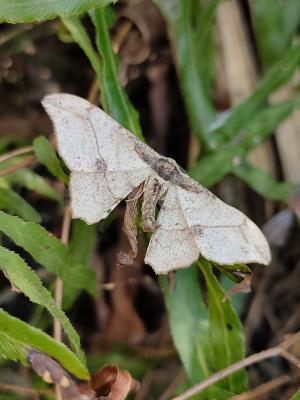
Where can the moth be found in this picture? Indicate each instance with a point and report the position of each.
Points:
(107, 163)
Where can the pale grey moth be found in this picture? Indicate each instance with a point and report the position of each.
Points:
(107, 163)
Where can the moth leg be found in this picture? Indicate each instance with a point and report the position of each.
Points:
(153, 190)
(129, 226)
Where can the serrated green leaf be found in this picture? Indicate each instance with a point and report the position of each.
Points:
(264, 183)
(47, 156)
(9, 348)
(17, 337)
(225, 331)
(49, 251)
(27, 281)
(189, 322)
(212, 168)
(16, 11)
(11, 201)
(30, 180)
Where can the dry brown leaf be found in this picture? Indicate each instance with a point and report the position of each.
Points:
(242, 287)
(112, 383)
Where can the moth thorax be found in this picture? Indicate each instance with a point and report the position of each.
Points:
(166, 168)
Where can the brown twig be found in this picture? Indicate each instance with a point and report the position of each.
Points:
(4, 387)
(167, 394)
(17, 152)
(20, 164)
(263, 389)
(279, 350)
(59, 284)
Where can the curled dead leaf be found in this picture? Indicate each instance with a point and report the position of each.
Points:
(244, 286)
(112, 383)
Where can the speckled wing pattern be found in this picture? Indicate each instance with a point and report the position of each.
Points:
(191, 223)
(98, 151)
(107, 162)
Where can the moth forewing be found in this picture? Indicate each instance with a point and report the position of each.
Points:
(107, 163)
(100, 154)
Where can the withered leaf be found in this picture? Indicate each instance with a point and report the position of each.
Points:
(112, 383)
(244, 286)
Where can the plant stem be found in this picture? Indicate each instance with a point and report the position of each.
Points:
(263, 389)
(4, 387)
(17, 152)
(59, 285)
(279, 350)
(14, 167)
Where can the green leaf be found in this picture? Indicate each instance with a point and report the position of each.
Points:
(81, 37)
(212, 168)
(263, 182)
(189, 322)
(30, 180)
(296, 396)
(81, 246)
(275, 24)
(244, 113)
(16, 11)
(114, 99)
(83, 241)
(27, 281)
(225, 331)
(17, 337)
(11, 201)
(189, 35)
(49, 251)
(47, 156)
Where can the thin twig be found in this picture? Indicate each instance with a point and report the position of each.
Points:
(280, 350)
(263, 389)
(167, 394)
(17, 152)
(4, 387)
(59, 284)
(14, 167)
